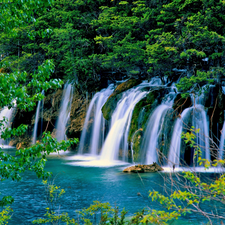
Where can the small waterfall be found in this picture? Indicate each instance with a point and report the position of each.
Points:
(64, 113)
(42, 113)
(34, 138)
(174, 152)
(120, 124)
(221, 147)
(7, 114)
(96, 138)
(152, 132)
(199, 121)
(153, 129)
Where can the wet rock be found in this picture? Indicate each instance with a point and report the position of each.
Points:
(136, 144)
(111, 103)
(143, 168)
(144, 108)
(77, 115)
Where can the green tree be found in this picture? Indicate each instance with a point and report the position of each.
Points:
(22, 90)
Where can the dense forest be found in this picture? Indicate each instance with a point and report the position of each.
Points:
(95, 41)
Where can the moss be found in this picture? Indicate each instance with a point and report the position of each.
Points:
(111, 102)
(136, 140)
(146, 106)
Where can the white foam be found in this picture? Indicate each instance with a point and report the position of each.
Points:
(98, 163)
(194, 169)
(86, 157)
(6, 146)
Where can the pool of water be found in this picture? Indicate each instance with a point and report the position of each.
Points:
(83, 185)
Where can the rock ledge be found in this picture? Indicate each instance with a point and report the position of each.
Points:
(143, 168)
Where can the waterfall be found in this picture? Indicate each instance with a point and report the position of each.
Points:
(64, 113)
(120, 124)
(34, 138)
(7, 114)
(153, 129)
(150, 141)
(221, 147)
(199, 121)
(96, 137)
(174, 152)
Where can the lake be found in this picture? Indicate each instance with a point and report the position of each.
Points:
(83, 185)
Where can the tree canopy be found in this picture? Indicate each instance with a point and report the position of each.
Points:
(90, 41)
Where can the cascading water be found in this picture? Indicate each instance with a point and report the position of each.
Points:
(154, 127)
(64, 113)
(221, 147)
(174, 152)
(202, 137)
(199, 121)
(34, 138)
(96, 138)
(7, 114)
(120, 124)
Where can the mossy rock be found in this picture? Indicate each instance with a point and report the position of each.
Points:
(152, 168)
(111, 102)
(136, 142)
(144, 108)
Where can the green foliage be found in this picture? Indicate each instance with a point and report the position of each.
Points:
(53, 195)
(26, 88)
(18, 13)
(194, 83)
(190, 197)
(5, 215)
(22, 89)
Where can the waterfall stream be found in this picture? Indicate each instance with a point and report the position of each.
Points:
(95, 139)
(120, 124)
(64, 113)
(199, 121)
(40, 103)
(221, 147)
(7, 114)
(174, 152)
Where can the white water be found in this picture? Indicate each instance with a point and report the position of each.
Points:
(7, 114)
(34, 138)
(169, 169)
(64, 113)
(174, 152)
(154, 127)
(96, 137)
(199, 121)
(150, 141)
(221, 147)
(120, 124)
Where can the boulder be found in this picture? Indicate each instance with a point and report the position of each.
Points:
(143, 168)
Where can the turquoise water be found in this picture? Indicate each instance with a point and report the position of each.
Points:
(83, 185)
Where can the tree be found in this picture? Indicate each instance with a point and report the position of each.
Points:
(22, 90)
